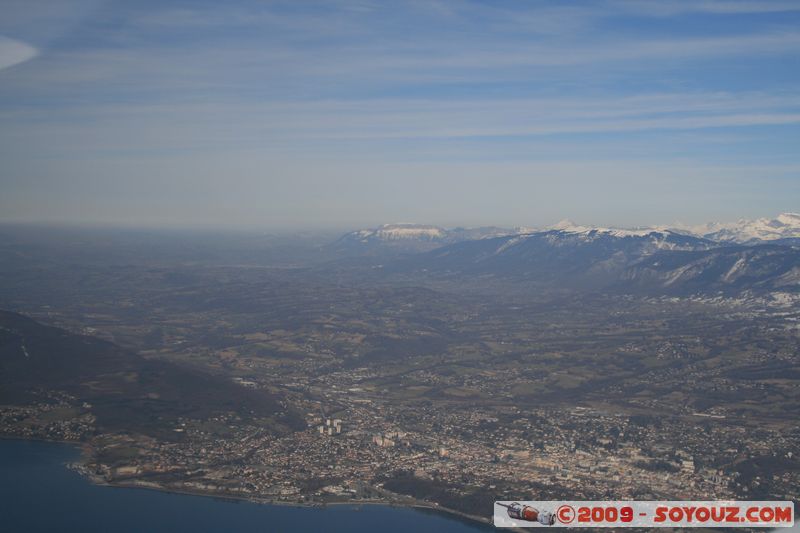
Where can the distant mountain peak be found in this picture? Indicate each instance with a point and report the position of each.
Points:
(568, 226)
(564, 224)
(407, 230)
(783, 226)
(407, 236)
(789, 219)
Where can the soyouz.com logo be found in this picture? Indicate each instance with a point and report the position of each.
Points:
(644, 514)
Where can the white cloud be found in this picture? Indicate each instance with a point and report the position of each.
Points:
(344, 97)
(302, 127)
(14, 52)
(720, 7)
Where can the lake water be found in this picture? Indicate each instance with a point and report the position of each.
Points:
(38, 493)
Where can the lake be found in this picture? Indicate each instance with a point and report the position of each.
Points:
(38, 493)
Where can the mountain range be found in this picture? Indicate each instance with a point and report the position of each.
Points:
(785, 226)
(416, 237)
(411, 237)
(759, 255)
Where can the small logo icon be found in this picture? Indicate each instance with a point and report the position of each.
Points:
(565, 514)
(517, 511)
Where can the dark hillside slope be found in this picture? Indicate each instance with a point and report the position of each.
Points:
(126, 391)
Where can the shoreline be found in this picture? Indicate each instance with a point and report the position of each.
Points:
(412, 503)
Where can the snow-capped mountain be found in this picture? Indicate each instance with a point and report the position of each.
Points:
(568, 227)
(652, 259)
(397, 232)
(784, 226)
(577, 256)
(760, 268)
(412, 237)
(647, 260)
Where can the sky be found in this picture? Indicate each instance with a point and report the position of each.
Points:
(352, 113)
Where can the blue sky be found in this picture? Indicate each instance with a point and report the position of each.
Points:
(355, 112)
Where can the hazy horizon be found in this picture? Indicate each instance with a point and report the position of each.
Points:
(329, 230)
(353, 113)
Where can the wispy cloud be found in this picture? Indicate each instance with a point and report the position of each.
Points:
(353, 90)
(14, 52)
(676, 7)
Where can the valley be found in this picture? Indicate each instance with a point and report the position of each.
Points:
(377, 380)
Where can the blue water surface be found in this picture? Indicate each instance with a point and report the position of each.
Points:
(37, 493)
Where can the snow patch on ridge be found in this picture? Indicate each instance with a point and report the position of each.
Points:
(784, 226)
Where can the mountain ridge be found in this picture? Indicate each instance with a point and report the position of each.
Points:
(411, 236)
(649, 261)
(126, 390)
(743, 231)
